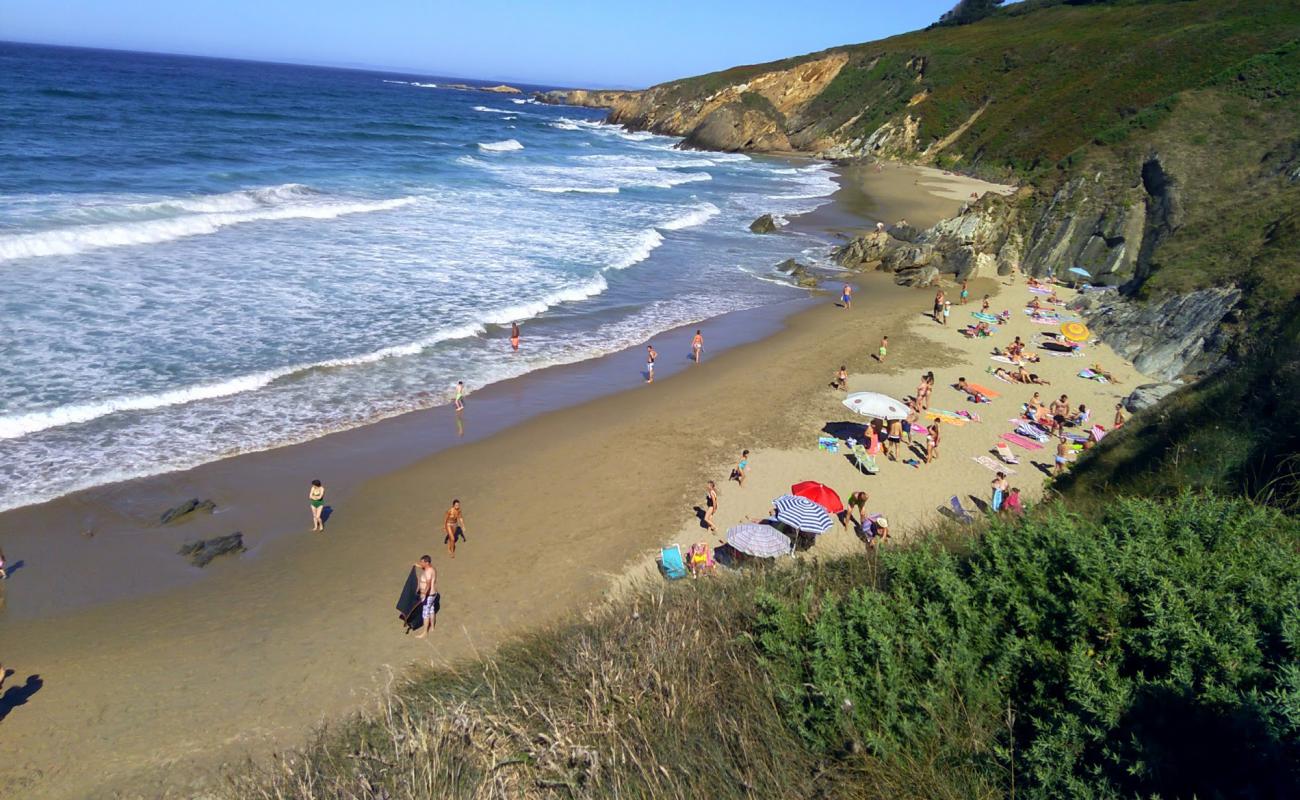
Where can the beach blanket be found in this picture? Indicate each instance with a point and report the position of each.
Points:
(986, 392)
(1027, 430)
(1002, 360)
(993, 465)
(1041, 320)
(1040, 290)
(951, 420)
(1098, 432)
(408, 602)
(982, 317)
(1017, 439)
(1092, 376)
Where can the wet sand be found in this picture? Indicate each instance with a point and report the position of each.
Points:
(152, 675)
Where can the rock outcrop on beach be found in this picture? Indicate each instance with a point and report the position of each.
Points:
(764, 224)
(202, 552)
(187, 510)
(501, 89)
(800, 273)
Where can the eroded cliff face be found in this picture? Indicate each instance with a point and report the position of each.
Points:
(744, 115)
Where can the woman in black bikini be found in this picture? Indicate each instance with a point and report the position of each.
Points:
(710, 505)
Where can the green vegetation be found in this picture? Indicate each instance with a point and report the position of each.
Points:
(1149, 650)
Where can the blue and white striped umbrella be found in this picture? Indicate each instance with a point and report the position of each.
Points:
(762, 541)
(802, 514)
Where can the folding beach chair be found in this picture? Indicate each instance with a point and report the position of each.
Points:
(962, 514)
(1004, 453)
(670, 559)
(864, 461)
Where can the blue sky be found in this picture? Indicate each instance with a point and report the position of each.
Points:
(565, 42)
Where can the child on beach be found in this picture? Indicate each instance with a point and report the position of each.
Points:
(741, 470)
(459, 402)
(1119, 415)
(984, 306)
(846, 296)
(965, 291)
(884, 349)
(999, 491)
(842, 379)
(316, 497)
(1012, 504)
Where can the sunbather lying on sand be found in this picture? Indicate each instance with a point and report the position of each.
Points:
(971, 391)
(1025, 376)
(1103, 373)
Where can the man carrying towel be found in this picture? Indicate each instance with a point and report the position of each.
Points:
(429, 596)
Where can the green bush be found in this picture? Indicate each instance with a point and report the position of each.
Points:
(1152, 651)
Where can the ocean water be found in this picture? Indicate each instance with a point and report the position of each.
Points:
(200, 257)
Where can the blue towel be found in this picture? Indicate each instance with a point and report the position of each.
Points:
(671, 558)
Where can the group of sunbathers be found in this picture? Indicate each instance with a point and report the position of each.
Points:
(1016, 353)
(1020, 375)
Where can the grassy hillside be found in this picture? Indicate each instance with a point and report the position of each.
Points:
(1049, 82)
(1149, 650)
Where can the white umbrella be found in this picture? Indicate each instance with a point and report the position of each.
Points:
(802, 514)
(874, 404)
(762, 541)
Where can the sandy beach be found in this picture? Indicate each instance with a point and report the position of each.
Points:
(166, 676)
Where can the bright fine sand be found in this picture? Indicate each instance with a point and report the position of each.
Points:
(152, 695)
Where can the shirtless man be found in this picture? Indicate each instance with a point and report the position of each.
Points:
(894, 440)
(1060, 411)
(1062, 450)
(846, 296)
(697, 346)
(429, 597)
(650, 357)
(1119, 415)
(514, 335)
(453, 526)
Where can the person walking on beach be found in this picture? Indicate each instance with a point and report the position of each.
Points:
(884, 349)
(460, 396)
(1062, 450)
(514, 335)
(453, 525)
(1060, 412)
(430, 599)
(710, 505)
(984, 306)
(316, 497)
(846, 296)
(697, 346)
(650, 357)
(741, 470)
(842, 379)
(932, 442)
(965, 292)
(937, 313)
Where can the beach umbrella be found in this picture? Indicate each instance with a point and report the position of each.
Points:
(874, 404)
(802, 514)
(762, 541)
(1077, 271)
(819, 493)
(1075, 331)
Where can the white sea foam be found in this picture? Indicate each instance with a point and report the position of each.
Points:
(640, 250)
(487, 110)
(500, 147)
(576, 189)
(415, 83)
(200, 216)
(696, 216)
(517, 101)
(564, 125)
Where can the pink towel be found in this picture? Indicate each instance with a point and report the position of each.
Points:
(1023, 441)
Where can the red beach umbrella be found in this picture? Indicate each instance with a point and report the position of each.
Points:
(819, 493)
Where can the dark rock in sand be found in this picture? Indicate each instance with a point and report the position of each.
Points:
(764, 224)
(865, 250)
(921, 276)
(204, 550)
(904, 232)
(184, 511)
(1148, 394)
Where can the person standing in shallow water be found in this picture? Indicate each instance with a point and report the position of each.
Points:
(650, 357)
(460, 396)
(514, 335)
(697, 346)
(316, 497)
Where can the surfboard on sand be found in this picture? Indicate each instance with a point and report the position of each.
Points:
(409, 605)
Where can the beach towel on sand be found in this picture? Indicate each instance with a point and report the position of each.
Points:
(982, 317)
(1093, 376)
(409, 606)
(1002, 360)
(992, 465)
(1022, 441)
(982, 390)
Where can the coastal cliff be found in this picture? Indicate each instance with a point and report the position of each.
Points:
(1154, 144)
